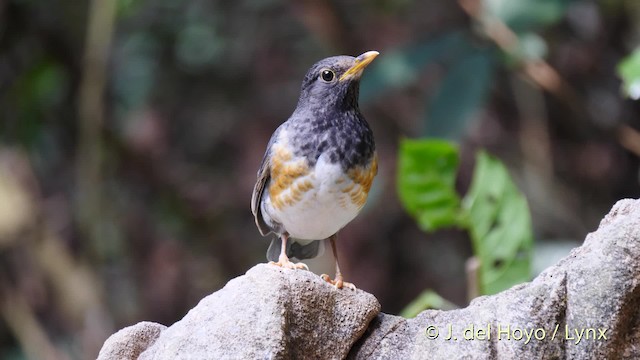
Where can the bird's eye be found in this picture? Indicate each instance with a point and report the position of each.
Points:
(327, 75)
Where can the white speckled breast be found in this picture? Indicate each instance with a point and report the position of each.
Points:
(318, 211)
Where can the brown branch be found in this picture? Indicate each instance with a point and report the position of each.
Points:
(91, 112)
(629, 138)
(24, 325)
(539, 71)
(472, 269)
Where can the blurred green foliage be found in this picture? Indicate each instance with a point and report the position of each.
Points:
(524, 16)
(629, 71)
(401, 67)
(494, 212)
(462, 90)
(470, 66)
(428, 299)
(40, 91)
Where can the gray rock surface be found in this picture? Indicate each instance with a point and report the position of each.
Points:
(272, 313)
(595, 289)
(131, 341)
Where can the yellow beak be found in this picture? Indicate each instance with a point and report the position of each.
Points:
(361, 62)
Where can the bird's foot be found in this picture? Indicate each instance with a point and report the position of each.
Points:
(338, 282)
(288, 264)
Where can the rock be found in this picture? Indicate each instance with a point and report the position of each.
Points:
(273, 313)
(594, 291)
(131, 341)
(269, 313)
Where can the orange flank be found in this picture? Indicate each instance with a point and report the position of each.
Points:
(362, 176)
(284, 174)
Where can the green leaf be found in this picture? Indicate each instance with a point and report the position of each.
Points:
(426, 182)
(629, 70)
(428, 299)
(500, 226)
(463, 90)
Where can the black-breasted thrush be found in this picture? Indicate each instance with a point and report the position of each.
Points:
(318, 167)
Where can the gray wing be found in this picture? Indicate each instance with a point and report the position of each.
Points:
(264, 174)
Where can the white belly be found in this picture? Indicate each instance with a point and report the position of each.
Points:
(322, 210)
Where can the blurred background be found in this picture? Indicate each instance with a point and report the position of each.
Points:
(131, 132)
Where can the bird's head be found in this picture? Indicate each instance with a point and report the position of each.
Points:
(333, 83)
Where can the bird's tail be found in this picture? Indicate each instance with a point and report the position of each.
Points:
(299, 249)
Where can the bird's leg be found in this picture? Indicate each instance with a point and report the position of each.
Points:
(283, 259)
(338, 282)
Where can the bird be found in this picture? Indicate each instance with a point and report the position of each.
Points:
(318, 167)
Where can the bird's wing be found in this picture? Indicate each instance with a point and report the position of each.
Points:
(264, 174)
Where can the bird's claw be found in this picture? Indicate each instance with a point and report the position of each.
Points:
(287, 264)
(338, 283)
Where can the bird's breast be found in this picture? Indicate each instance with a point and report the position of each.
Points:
(315, 201)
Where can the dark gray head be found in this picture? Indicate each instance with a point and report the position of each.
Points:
(333, 83)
